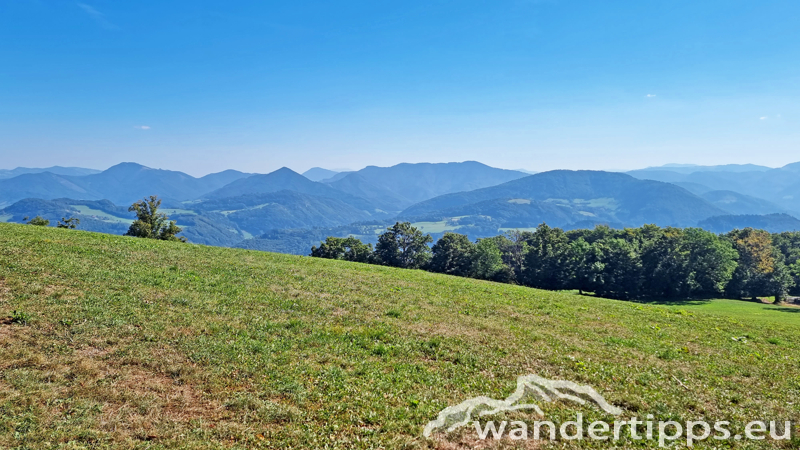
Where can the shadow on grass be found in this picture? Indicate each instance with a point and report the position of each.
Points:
(700, 301)
(786, 309)
(660, 301)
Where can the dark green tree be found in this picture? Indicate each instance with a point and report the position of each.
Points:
(622, 269)
(788, 244)
(151, 224)
(71, 223)
(452, 254)
(403, 245)
(665, 262)
(38, 221)
(546, 260)
(712, 261)
(487, 261)
(348, 249)
(514, 246)
(585, 265)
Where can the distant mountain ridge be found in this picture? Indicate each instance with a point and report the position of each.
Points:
(604, 196)
(404, 184)
(58, 170)
(780, 186)
(319, 174)
(774, 223)
(691, 168)
(122, 184)
(285, 179)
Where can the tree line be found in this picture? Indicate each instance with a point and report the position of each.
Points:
(646, 262)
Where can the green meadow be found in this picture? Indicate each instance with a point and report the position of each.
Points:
(118, 342)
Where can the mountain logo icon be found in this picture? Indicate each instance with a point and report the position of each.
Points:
(529, 388)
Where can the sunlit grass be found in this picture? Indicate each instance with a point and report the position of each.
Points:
(142, 344)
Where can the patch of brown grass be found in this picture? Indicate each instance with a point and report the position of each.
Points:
(142, 403)
(5, 291)
(5, 328)
(467, 438)
(137, 398)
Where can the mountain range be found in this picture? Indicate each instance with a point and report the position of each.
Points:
(284, 210)
(779, 186)
(591, 195)
(122, 184)
(58, 170)
(398, 187)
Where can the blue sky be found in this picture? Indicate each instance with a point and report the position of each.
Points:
(203, 86)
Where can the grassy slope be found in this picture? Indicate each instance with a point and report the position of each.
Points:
(146, 344)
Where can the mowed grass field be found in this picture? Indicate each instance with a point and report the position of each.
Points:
(130, 343)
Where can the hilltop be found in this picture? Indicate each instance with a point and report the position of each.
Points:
(123, 342)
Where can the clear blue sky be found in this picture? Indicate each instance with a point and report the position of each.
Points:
(202, 86)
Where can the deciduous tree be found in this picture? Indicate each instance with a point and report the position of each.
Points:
(403, 245)
(151, 224)
(452, 254)
(348, 249)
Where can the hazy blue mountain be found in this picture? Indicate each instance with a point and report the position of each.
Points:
(44, 185)
(382, 197)
(790, 195)
(694, 188)
(259, 213)
(598, 196)
(336, 177)
(319, 174)
(412, 183)
(736, 203)
(666, 176)
(779, 186)
(58, 170)
(214, 181)
(691, 168)
(287, 179)
(126, 183)
(774, 223)
(123, 184)
(509, 213)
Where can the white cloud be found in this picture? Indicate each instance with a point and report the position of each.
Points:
(650, 95)
(98, 17)
(142, 127)
(763, 118)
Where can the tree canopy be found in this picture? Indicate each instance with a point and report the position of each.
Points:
(403, 245)
(645, 262)
(151, 224)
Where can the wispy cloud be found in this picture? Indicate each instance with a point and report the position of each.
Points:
(97, 16)
(142, 127)
(763, 118)
(650, 95)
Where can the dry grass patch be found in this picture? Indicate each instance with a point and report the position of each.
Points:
(467, 438)
(5, 291)
(122, 402)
